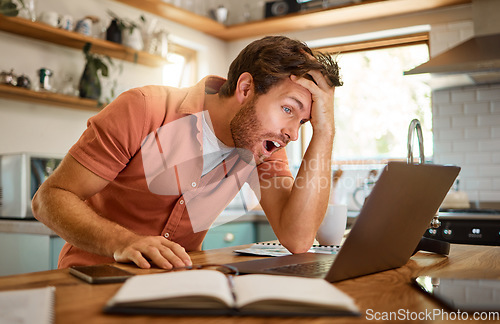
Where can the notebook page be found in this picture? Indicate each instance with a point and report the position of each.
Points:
(174, 284)
(27, 306)
(254, 288)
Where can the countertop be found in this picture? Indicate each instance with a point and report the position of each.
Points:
(25, 226)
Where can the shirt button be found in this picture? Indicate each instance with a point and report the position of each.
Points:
(166, 235)
(193, 184)
(181, 202)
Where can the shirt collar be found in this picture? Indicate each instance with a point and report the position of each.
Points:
(195, 97)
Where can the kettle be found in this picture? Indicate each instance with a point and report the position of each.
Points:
(365, 189)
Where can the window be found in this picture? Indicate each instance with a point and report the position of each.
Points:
(173, 72)
(181, 72)
(374, 107)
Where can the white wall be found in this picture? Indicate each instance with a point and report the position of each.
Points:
(40, 128)
(467, 133)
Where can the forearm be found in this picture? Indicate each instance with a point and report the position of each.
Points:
(305, 208)
(73, 220)
(297, 209)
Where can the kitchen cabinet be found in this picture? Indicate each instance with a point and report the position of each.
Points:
(230, 234)
(366, 10)
(40, 31)
(238, 233)
(22, 253)
(28, 245)
(264, 232)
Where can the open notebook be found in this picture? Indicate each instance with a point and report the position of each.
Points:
(388, 229)
(210, 292)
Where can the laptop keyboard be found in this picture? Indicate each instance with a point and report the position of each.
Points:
(308, 269)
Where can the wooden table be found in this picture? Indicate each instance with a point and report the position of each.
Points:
(389, 291)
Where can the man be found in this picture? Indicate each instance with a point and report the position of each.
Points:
(157, 165)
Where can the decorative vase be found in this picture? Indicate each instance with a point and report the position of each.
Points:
(162, 43)
(90, 85)
(133, 38)
(113, 33)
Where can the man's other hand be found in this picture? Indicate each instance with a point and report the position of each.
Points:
(162, 252)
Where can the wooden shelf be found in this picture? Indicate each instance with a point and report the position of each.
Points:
(372, 9)
(40, 31)
(47, 98)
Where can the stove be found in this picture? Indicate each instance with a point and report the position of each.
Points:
(468, 226)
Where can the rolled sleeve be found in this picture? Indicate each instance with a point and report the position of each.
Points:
(113, 136)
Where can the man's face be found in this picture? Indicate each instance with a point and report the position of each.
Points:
(270, 121)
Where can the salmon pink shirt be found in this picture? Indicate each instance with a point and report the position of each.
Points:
(148, 143)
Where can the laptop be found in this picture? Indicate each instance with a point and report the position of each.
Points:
(387, 230)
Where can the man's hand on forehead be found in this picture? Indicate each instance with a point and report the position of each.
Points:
(328, 67)
(313, 78)
(322, 117)
(309, 77)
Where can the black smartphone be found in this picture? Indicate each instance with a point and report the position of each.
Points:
(97, 274)
(462, 294)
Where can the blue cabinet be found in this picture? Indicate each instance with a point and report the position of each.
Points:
(238, 233)
(22, 253)
(264, 232)
(230, 234)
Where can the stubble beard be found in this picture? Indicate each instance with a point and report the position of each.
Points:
(246, 130)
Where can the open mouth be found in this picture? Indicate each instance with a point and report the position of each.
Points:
(271, 146)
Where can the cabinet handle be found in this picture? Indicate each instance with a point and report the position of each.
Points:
(229, 237)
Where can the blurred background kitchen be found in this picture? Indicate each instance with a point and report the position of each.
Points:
(45, 102)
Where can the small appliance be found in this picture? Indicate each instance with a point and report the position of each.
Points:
(20, 176)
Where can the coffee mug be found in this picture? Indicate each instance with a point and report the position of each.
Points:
(50, 18)
(84, 26)
(331, 230)
(66, 22)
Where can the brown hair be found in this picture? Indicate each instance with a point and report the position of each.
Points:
(272, 59)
